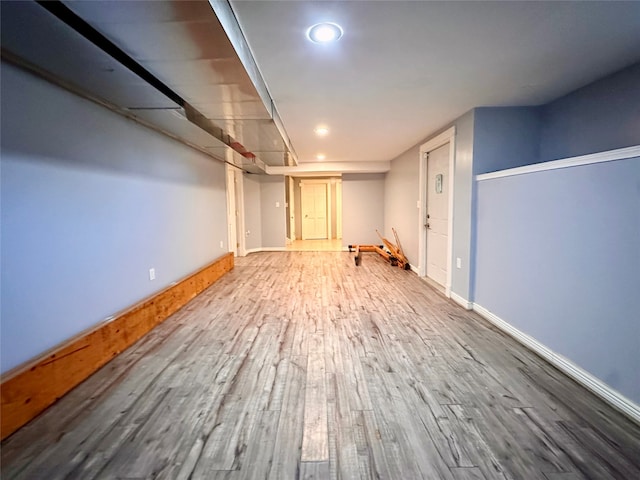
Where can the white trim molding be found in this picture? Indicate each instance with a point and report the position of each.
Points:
(600, 157)
(266, 249)
(463, 302)
(587, 380)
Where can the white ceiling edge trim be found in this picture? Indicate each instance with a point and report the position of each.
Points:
(606, 156)
(330, 167)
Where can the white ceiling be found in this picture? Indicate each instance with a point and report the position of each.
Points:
(404, 69)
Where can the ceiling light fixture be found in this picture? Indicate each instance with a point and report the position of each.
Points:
(324, 32)
(321, 131)
(321, 156)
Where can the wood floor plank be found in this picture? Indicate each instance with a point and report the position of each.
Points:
(315, 436)
(466, 473)
(302, 365)
(286, 458)
(343, 451)
(314, 470)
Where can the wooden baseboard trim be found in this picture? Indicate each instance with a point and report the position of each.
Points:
(595, 385)
(29, 389)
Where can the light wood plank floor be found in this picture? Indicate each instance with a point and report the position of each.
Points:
(326, 245)
(302, 365)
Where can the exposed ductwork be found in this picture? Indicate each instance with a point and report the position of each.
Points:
(167, 64)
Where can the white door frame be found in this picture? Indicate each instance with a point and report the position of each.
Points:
(235, 211)
(448, 136)
(241, 237)
(292, 209)
(338, 186)
(327, 184)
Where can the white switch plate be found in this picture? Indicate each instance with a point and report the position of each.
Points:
(152, 274)
(277, 204)
(458, 262)
(221, 244)
(418, 204)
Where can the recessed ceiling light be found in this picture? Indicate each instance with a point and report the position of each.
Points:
(321, 131)
(324, 32)
(321, 156)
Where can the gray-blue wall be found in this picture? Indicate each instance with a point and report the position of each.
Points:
(272, 208)
(252, 211)
(558, 257)
(363, 212)
(401, 202)
(601, 116)
(91, 201)
(505, 137)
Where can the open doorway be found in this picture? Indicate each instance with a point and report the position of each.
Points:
(315, 215)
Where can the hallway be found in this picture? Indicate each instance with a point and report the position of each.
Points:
(302, 365)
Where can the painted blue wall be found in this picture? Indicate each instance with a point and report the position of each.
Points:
(505, 137)
(91, 201)
(558, 258)
(601, 116)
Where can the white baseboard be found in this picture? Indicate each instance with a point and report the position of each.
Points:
(265, 249)
(595, 385)
(414, 269)
(463, 302)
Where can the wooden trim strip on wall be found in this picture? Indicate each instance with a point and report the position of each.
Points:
(29, 389)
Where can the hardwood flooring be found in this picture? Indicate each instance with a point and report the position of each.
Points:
(326, 245)
(302, 365)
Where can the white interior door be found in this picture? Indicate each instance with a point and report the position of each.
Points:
(437, 213)
(313, 198)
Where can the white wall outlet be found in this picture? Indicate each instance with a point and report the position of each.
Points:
(418, 204)
(152, 274)
(458, 262)
(277, 204)
(221, 244)
(248, 233)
